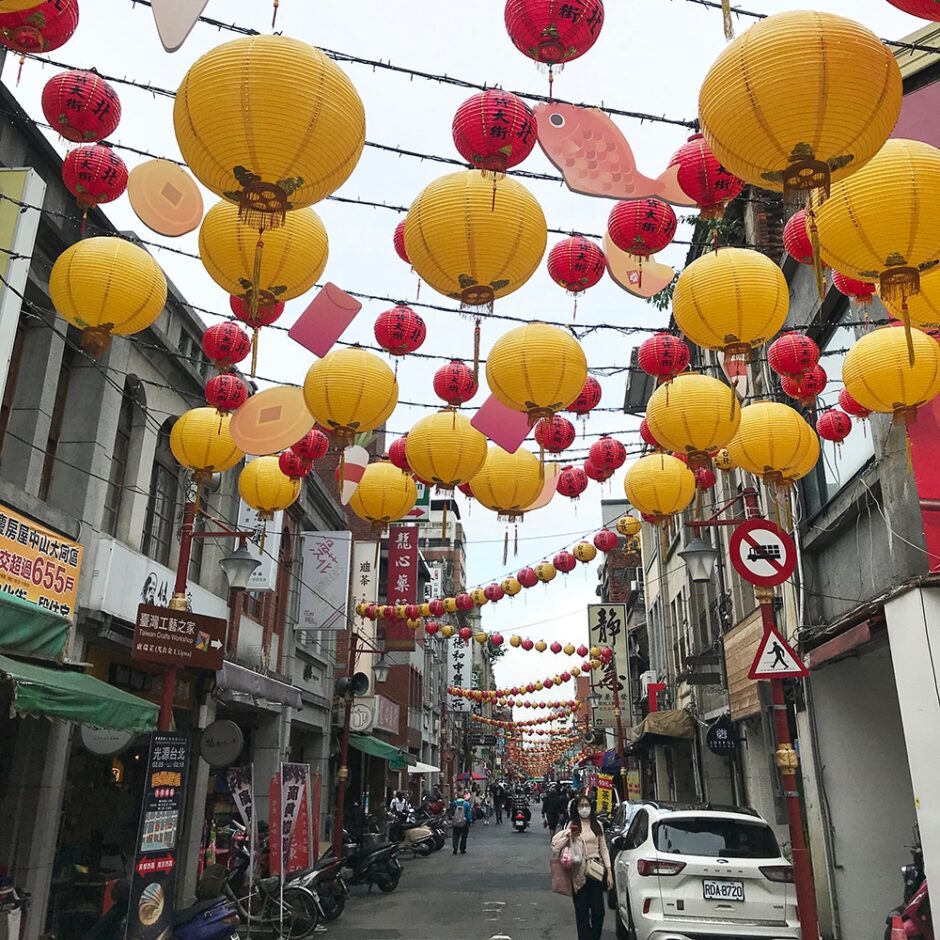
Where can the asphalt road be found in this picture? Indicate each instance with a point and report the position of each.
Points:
(499, 890)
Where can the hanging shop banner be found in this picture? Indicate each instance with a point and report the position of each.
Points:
(607, 627)
(633, 785)
(289, 804)
(264, 577)
(365, 572)
(402, 583)
(153, 888)
(604, 798)
(459, 673)
(37, 564)
(324, 593)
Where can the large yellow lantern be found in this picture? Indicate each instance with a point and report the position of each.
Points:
(263, 486)
(923, 308)
(880, 376)
(693, 415)
(445, 449)
(659, 486)
(350, 391)
(772, 440)
(629, 526)
(385, 494)
(508, 483)
(473, 243)
(201, 442)
(799, 100)
(537, 369)
(107, 286)
(808, 459)
(270, 124)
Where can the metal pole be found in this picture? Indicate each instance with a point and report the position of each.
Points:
(618, 718)
(342, 775)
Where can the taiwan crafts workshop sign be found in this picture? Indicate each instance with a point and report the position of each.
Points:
(402, 586)
(150, 912)
(37, 564)
(178, 638)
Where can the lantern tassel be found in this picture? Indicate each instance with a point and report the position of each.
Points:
(19, 71)
(906, 320)
(817, 257)
(506, 545)
(277, 3)
(444, 521)
(342, 469)
(515, 541)
(254, 352)
(476, 350)
(728, 22)
(255, 291)
(551, 81)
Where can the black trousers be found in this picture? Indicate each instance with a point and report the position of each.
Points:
(460, 837)
(589, 910)
(498, 807)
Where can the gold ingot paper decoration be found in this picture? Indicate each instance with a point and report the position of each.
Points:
(731, 300)
(445, 449)
(106, 286)
(270, 124)
(799, 100)
(472, 242)
(659, 486)
(508, 483)
(693, 415)
(629, 526)
(201, 442)
(385, 494)
(350, 391)
(537, 369)
(263, 486)
(772, 440)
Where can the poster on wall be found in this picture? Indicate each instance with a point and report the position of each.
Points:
(324, 593)
(402, 583)
(289, 804)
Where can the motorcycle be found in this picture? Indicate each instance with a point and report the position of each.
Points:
(914, 913)
(325, 881)
(412, 835)
(520, 821)
(370, 859)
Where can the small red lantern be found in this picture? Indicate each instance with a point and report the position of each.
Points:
(646, 435)
(400, 331)
(792, 354)
(431, 627)
(496, 639)
(226, 344)
(704, 179)
(860, 291)
(465, 489)
(806, 387)
(226, 393)
(494, 593)
(526, 645)
(705, 478)
(465, 633)
(555, 434)
(554, 33)
(565, 676)
(925, 9)
(565, 562)
(293, 466)
(412, 611)
(312, 446)
(396, 453)
(94, 175)
(527, 577)
(548, 683)
(607, 454)
(796, 239)
(663, 356)
(834, 425)
(494, 130)
(607, 654)
(572, 482)
(41, 28)
(589, 398)
(605, 541)
(455, 383)
(576, 264)
(398, 240)
(593, 472)
(850, 406)
(642, 227)
(437, 607)
(265, 315)
(582, 650)
(81, 106)
(464, 602)
(555, 647)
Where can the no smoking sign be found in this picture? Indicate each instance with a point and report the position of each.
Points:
(762, 553)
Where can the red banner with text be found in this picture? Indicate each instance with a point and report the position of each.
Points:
(402, 583)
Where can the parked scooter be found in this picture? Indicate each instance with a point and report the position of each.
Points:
(371, 860)
(325, 881)
(411, 835)
(915, 911)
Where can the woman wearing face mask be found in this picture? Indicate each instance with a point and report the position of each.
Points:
(591, 872)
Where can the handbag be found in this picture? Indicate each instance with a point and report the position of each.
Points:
(594, 869)
(561, 878)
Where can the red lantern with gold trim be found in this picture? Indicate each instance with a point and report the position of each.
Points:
(398, 240)
(226, 344)
(400, 331)
(455, 383)
(576, 264)
(792, 354)
(41, 28)
(663, 356)
(607, 454)
(464, 602)
(593, 472)
(551, 32)
(226, 393)
(554, 434)
(564, 562)
(704, 179)
(94, 175)
(804, 388)
(642, 227)
(861, 292)
(265, 315)
(850, 406)
(572, 482)
(81, 106)
(293, 465)
(834, 425)
(796, 238)
(396, 453)
(589, 398)
(705, 478)
(494, 593)
(494, 130)
(527, 577)
(646, 435)
(312, 446)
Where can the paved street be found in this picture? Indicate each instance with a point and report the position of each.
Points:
(499, 889)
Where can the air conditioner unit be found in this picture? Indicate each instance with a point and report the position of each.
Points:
(646, 678)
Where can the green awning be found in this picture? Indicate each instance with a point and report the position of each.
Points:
(397, 759)
(26, 627)
(73, 696)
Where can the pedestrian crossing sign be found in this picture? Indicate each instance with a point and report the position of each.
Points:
(776, 659)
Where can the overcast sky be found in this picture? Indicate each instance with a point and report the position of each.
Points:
(651, 57)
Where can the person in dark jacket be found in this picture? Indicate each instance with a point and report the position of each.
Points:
(552, 806)
(461, 809)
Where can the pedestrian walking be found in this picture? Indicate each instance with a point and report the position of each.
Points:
(461, 818)
(552, 810)
(582, 839)
(499, 798)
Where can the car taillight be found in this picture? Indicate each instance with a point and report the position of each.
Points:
(655, 866)
(778, 873)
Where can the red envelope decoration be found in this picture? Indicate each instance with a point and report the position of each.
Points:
(501, 425)
(323, 322)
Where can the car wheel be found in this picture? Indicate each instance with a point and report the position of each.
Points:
(623, 932)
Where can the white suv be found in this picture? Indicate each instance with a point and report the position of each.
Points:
(703, 874)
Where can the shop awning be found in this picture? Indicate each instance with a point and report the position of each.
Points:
(396, 757)
(237, 685)
(657, 726)
(27, 628)
(420, 768)
(73, 696)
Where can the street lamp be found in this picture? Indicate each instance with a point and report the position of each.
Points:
(239, 566)
(700, 558)
(381, 668)
(591, 699)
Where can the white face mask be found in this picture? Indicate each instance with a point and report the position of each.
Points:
(584, 812)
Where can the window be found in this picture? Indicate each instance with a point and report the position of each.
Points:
(117, 478)
(716, 838)
(164, 497)
(657, 640)
(638, 831)
(55, 425)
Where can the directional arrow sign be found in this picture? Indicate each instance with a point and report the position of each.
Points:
(762, 553)
(178, 638)
(776, 659)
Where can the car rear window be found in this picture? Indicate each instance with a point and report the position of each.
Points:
(719, 838)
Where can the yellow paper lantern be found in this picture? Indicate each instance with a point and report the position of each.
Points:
(772, 440)
(107, 286)
(923, 308)
(800, 99)
(14, 6)
(693, 415)
(481, 637)
(595, 652)
(585, 551)
(450, 605)
(478, 597)
(730, 300)
(511, 587)
(541, 646)
(447, 631)
(659, 486)
(537, 369)
(628, 526)
(473, 243)
(412, 624)
(425, 610)
(385, 494)
(879, 375)
(201, 442)
(508, 483)
(269, 123)
(515, 641)
(723, 460)
(445, 449)
(263, 486)
(575, 671)
(568, 649)
(350, 391)
(807, 460)
(545, 571)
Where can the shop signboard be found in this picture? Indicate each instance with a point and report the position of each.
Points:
(364, 584)
(604, 800)
(402, 584)
(607, 627)
(289, 805)
(361, 716)
(633, 785)
(153, 885)
(324, 592)
(387, 715)
(178, 638)
(264, 577)
(220, 743)
(459, 674)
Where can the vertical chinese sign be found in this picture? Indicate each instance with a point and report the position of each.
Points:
(364, 586)
(402, 586)
(459, 673)
(607, 627)
(324, 594)
(289, 809)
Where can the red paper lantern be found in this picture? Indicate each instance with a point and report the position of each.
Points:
(41, 28)
(646, 435)
(565, 677)
(705, 478)
(527, 577)
(548, 683)
(412, 611)
(792, 354)
(860, 291)
(806, 387)
(400, 330)
(526, 645)
(553, 32)
(312, 446)
(431, 627)
(265, 315)
(555, 434)
(496, 639)
(437, 607)
(642, 227)
(607, 654)
(465, 489)
(464, 602)
(572, 482)
(398, 240)
(226, 344)
(396, 453)
(834, 425)
(94, 175)
(565, 562)
(606, 541)
(593, 472)
(81, 106)
(292, 465)
(925, 9)
(703, 178)
(850, 406)
(576, 263)
(582, 650)
(663, 356)
(494, 130)
(589, 398)
(465, 633)
(796, 239)
(555, 647)
(455, 383)
(494, 593)
(226, 393)
(607, 454)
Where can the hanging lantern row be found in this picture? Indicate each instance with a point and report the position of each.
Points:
(495, 695)
(560, 715)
